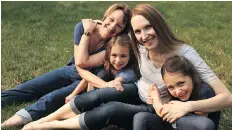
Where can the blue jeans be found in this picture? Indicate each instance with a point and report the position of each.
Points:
(54, 86)
(112, 113)
(39, 86)
(150, 121)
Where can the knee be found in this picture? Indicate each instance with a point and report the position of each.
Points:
(144, 117)
(205, 124)
(109, 109)
(195, 123)
(140, 117)
(144, 120)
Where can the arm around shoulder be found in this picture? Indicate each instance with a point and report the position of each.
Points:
(221, 100)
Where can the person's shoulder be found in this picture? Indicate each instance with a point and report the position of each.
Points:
(79, 25)
(187, 50)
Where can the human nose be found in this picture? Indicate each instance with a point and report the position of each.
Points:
(144, 35)
(112, 26)
(117, 59)
(178, 92)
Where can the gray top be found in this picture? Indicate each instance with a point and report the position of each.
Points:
(152, 75)
(128, 75)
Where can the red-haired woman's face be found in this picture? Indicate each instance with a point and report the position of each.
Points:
(113, 24)
(144, 32)
(179, 85)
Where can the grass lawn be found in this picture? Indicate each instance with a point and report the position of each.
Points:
(37, 37)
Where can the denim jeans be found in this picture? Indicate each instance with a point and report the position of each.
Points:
(54, 86)
(112, 113)
(39, 86)
(150, 121)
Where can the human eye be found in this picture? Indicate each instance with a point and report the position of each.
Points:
(123, 56)
(180, 84)
(113, 55)
(137, 31)
(148, 27)
(111, 20)
(170, 87)
(120, 26)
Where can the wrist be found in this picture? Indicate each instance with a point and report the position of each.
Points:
(189, 106)
(87, 33)
(104, 85)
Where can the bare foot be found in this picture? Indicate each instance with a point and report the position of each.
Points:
(13, 121)
(30, 126)
(37, 126)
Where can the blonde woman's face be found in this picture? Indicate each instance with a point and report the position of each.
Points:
(113, 24)
(144, 32)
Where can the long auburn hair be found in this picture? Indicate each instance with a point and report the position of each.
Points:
(165, 35)
(179, 64)
(122, 40)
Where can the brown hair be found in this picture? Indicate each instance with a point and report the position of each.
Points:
(126, 10)
(122, 40)
(165, 35)
(179, 64)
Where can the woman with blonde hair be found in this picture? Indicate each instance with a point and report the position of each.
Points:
(52, 87)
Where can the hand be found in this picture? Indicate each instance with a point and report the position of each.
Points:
(69, 97)
(116, 85)
(158, 109)
(89, 25)
(174, 110)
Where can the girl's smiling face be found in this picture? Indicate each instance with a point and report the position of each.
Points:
(179, 85)
(119, 56)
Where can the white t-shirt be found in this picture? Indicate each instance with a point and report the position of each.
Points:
(152, 75)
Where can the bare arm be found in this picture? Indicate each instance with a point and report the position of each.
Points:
(223, 99)
(94, 60)
(93, 79)
(80, 87)
(81, 51)
(98, 82)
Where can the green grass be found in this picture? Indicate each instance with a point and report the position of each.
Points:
(37, 37)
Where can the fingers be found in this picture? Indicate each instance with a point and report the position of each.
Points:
(89, 25)
(164, 112)
(119, 87)
(167, 116)
(116, 85)
(173, 120)
(97, 21)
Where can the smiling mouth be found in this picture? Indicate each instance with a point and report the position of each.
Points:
(118, 66)
(149, 41)
(182, 96)
(111, 32)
